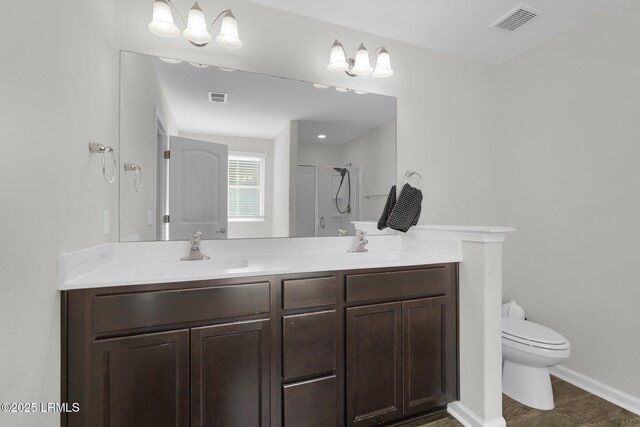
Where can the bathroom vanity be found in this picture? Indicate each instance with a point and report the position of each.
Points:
(354, 347)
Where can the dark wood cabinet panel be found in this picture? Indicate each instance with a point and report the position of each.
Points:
(308, 344)
(311, 403)
(144, 309)
(374, 364)
(399, 284)
(424, 326)
(230, 375)
(141, 381)
(306, 293)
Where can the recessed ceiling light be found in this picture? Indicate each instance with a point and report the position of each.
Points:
(343, 89)
(360, 92)
(170, 60)
(319, 86)
(226, 69)
(322, 136)
(198, 64)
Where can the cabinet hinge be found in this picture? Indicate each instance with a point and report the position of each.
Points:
(165, 219)
(167, 154)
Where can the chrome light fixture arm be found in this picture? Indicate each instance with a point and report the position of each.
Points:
(184, 23)
(220, 15)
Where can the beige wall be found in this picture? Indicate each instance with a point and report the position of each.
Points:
(570, 183)
(58, 91)
(243, 230)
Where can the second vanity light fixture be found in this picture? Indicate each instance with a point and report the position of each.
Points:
(196, 30)
(361, 65)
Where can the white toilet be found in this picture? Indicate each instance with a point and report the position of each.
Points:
(528, 350)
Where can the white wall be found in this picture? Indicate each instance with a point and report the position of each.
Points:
(570, 183)
(240, 230)
(58, 91)
(142, 98)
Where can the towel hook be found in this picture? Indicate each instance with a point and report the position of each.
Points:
(95, 148)
(409, 173)
(130, 167)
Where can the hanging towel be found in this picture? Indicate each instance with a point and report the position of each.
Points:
(388, 207)
(406, 211)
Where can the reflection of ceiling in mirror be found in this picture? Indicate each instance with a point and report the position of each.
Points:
(259, 106)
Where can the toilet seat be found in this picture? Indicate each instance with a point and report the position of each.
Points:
(532, 334)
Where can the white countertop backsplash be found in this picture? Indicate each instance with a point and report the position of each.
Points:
(130, 263)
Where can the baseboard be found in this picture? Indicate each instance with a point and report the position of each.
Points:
(468, 418)
(617, 397)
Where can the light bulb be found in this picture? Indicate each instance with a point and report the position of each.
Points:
(162, 24)
(196, 31)
(362, 66)
(383, 65)
(338, 59)
(228, 36)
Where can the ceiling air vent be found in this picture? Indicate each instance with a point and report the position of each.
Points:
(516, 18)
(218, 98)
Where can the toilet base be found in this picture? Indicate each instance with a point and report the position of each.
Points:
(528, 385)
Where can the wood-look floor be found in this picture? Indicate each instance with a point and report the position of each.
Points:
(574, 408)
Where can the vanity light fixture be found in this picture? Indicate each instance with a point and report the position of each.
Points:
(196, 30)
(322, 136)
(361, 65)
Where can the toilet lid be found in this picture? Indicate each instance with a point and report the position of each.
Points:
(520, 330)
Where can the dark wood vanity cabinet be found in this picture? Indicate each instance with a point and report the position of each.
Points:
(401, 357)
(360, 348)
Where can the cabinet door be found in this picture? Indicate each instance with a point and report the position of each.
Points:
(427, 334)
(374, 364)
(230, 375)
(142, 381)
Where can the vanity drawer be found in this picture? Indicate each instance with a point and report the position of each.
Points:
(305, 293)
(146, 309)
(431, 281)
(308, 344)
(312, 403)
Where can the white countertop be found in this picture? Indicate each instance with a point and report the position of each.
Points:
(132, 263)
(134, 273)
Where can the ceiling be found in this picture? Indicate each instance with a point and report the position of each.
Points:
(457, 27)
(259, 106)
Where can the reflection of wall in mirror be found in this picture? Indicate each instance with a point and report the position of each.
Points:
(141, 99)
(374, 153)
(248, 229)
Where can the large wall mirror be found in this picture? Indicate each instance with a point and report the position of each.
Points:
(235, 154)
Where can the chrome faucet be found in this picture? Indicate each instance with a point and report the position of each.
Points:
(194, 253)
(361, 242)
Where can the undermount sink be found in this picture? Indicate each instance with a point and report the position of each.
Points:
(192, 267)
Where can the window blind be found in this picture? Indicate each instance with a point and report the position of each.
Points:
(246, 186)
